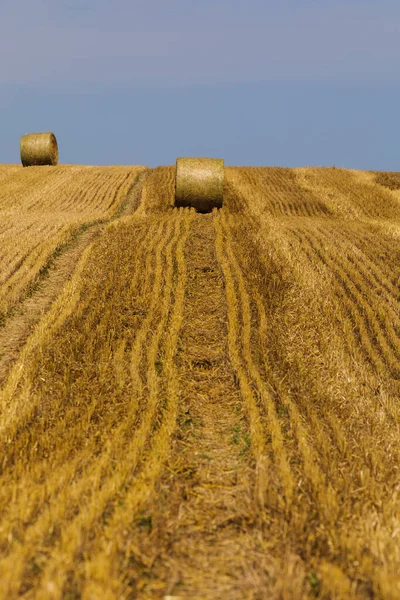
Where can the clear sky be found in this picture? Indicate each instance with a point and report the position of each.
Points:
(257, 82)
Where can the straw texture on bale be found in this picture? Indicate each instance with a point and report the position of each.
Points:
(199, 183)
(39, 149)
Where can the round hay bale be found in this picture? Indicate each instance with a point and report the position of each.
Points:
(39, 149)
(199, 182)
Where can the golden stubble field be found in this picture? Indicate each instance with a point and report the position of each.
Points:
(196, 405)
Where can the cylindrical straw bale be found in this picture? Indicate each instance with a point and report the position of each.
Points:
(39, 149)
(199, 182)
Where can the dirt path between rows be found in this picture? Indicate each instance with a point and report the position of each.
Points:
(204, 539)
(24, 318)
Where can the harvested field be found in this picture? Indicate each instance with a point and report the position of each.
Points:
(200, 406)
(42, 210)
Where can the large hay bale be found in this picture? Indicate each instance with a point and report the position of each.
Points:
(39, 149)
(199, 182)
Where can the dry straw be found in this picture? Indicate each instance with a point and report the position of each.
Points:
(199, 183)
(39, 149)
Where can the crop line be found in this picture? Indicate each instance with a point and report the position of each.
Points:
(16, 190)
(22, 278)
(145, 242)
(331, 419)
(321, 433)
(139, 439)
(383, 353)
(351, 272)
(71, 534)
(274, 427)
(35, 257)
(349, 279)
(351, 340)
(358, 322)
(327, 434)
(16, 263)
(21, 407)
(114, 539)
(373, 271)
(51, 184)
(56, 188)
(25, 248)
(74, 195)
(357, 329)
(325, 495)
(62, 308)
(110, 187)
(278, 198)
(345, 313)
(151, 278)
(289, 188)
(125, 185)
(370, 272)
(143, 429)
(318, 433)
(334, 181)
(106, 188)
(94, 194)
(121, 189)
(257, 434)
(11, 407)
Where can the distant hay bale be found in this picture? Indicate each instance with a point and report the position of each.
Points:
(199, 182)
(39, 149)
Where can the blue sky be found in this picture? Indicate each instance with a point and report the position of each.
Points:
(294, 82)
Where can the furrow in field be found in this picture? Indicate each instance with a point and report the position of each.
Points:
(160, 418)
(48, 194)
(78, 196)
(158, 191)
(198, 532)
(378, 306)
(142, 423)
(375, 251)
(358, 327)
(373, 245)
(274, 192)
(261, 192)
(356, 270)
(242, 331)
(336, 406)
(234, 344)
(310, 437)
(42, 230)
(23, 252)
(109, 191)
(312, 494)
(116, 442)
(17, 328)
(327, 430)
(372, 339)
(70, 487)
(13, 191)
(303, 435)
(349, 193)
(352, 341)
